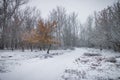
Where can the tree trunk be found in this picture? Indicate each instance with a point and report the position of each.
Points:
(40, 48)
(31, 47)
(22, 46)
(48, 49)
(2, 44)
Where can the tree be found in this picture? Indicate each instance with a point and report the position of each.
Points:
(8, 9)
(30, 17)
(42, 34)
(67, 27)
(59, 15)
(106, 32)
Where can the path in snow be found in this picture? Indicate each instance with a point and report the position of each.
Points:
(46, 69)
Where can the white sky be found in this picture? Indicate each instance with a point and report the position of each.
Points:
(83, 7)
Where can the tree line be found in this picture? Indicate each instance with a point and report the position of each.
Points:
(24, 28)
(103, 29)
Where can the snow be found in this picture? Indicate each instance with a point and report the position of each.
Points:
(60, 65)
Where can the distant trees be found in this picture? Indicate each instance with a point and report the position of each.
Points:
(24, 28)
(59, 15)
(108, 22)
(106, 28)
(67, 27)
(86, 33)
(7, 9)
(14, 21)
(30, 17)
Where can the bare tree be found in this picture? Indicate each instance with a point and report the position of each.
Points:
(59, 15)
(8, 8)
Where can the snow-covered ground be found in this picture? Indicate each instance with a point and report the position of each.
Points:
(78, 64)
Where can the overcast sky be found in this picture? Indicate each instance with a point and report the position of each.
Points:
(83, 7)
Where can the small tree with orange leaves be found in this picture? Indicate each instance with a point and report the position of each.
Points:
(42, 34)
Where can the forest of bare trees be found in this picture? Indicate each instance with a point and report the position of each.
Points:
(24, 28)
(103, 29)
